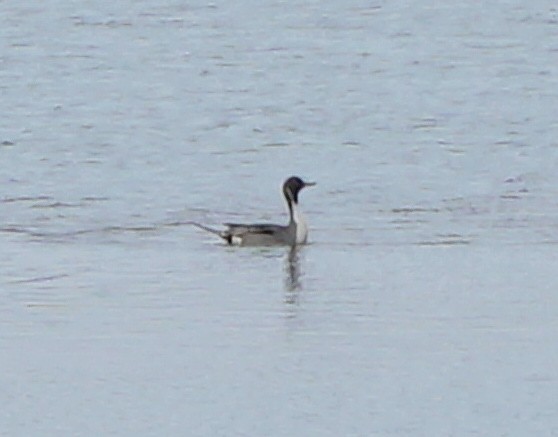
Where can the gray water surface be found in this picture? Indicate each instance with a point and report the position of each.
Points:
(425, 303)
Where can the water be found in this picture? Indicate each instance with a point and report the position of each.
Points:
(425, 303)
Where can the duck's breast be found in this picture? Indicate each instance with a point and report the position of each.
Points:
(301, 226)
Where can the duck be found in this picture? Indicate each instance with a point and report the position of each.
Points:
(294, 233)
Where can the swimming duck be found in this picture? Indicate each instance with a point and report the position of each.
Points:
(264, 234)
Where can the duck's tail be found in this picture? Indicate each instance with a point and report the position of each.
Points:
(208, 229)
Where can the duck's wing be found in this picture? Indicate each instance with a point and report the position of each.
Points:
(240, 229)
(259, 234)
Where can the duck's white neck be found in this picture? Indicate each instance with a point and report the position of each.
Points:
(300, 222)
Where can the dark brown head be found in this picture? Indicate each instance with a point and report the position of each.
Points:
(292, 187)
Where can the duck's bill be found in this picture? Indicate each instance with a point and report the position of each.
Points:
(309, 184)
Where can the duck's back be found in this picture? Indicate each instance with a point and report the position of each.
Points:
(239, 234)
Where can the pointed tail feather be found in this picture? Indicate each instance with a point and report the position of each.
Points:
(208, 229)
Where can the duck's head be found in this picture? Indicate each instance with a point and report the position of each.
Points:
(292, 186)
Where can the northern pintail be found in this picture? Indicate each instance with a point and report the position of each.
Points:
(263, 234)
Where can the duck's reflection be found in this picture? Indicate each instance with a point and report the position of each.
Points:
(292, 275)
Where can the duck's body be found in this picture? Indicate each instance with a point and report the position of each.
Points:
(264, 234)
(238, 234)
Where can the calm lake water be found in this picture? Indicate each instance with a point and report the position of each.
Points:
(425, 304)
